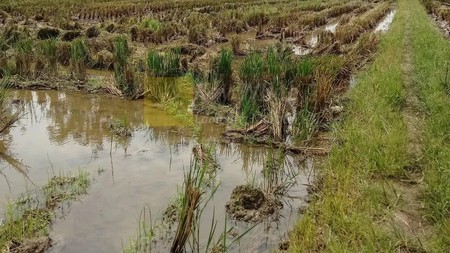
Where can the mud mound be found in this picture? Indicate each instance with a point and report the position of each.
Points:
(103, 60)
(47, 33)
(92, 32)
(250, 204)
(37, 245)
(70, 35)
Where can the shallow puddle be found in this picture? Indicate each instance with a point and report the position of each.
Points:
(64, 132)
(312, 38)
(385, 24)
(331, 27)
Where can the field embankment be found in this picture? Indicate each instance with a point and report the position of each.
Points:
(376, 193)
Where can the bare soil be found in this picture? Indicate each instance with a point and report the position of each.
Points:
(251, 204)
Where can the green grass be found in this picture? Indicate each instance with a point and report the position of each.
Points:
(79, 54)
(31, 216)
(164, 64)
(223, 71)
(305, 125)
(353, 210)
(163, 72)
(151, 24)
(24, 55)
(123, 70)
(47, 52)
(431, 57)
(267, 75)
(355, 196)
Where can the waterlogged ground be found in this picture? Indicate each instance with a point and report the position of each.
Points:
(66, 132)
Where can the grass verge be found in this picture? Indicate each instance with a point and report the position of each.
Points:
(355, 195)
(431, 57)
(355, 208)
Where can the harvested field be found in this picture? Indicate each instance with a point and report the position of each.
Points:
(211, 125)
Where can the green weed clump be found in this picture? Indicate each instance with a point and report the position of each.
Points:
(163, 71)
(305, 70)
(192, 196)
(24, 57)
(306, 123)
(272, 72)
(29, 219)
(252, 87)
(123, 72)
(151, 24)
(79, 57)
(267, 81)
(164, 64)
(222, 71)
(47, 54)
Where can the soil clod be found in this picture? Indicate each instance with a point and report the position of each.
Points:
(250, 204)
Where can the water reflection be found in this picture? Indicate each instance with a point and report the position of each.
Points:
(64, 126)
(65, 131)
(9, 161)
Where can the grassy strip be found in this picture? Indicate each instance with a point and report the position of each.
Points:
(28, 220)
(353, 212)
(348, 214)
(432, 57)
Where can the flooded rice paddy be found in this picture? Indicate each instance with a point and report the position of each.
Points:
(65, 132)
(312, 38)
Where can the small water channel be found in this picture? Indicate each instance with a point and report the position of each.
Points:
(385, 24)
(64, 132)
(312, 38)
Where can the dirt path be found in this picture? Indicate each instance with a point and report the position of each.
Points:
(409, 216)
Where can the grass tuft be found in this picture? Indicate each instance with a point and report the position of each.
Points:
(79, 55)
(29, 219)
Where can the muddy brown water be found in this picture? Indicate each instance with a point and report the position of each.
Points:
(64, 132)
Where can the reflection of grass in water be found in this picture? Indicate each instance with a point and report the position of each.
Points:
(175, 97)
(120, 127)
(7, 118)
(278, 174)
(28, 220)
(162, 71)
(161, 89)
